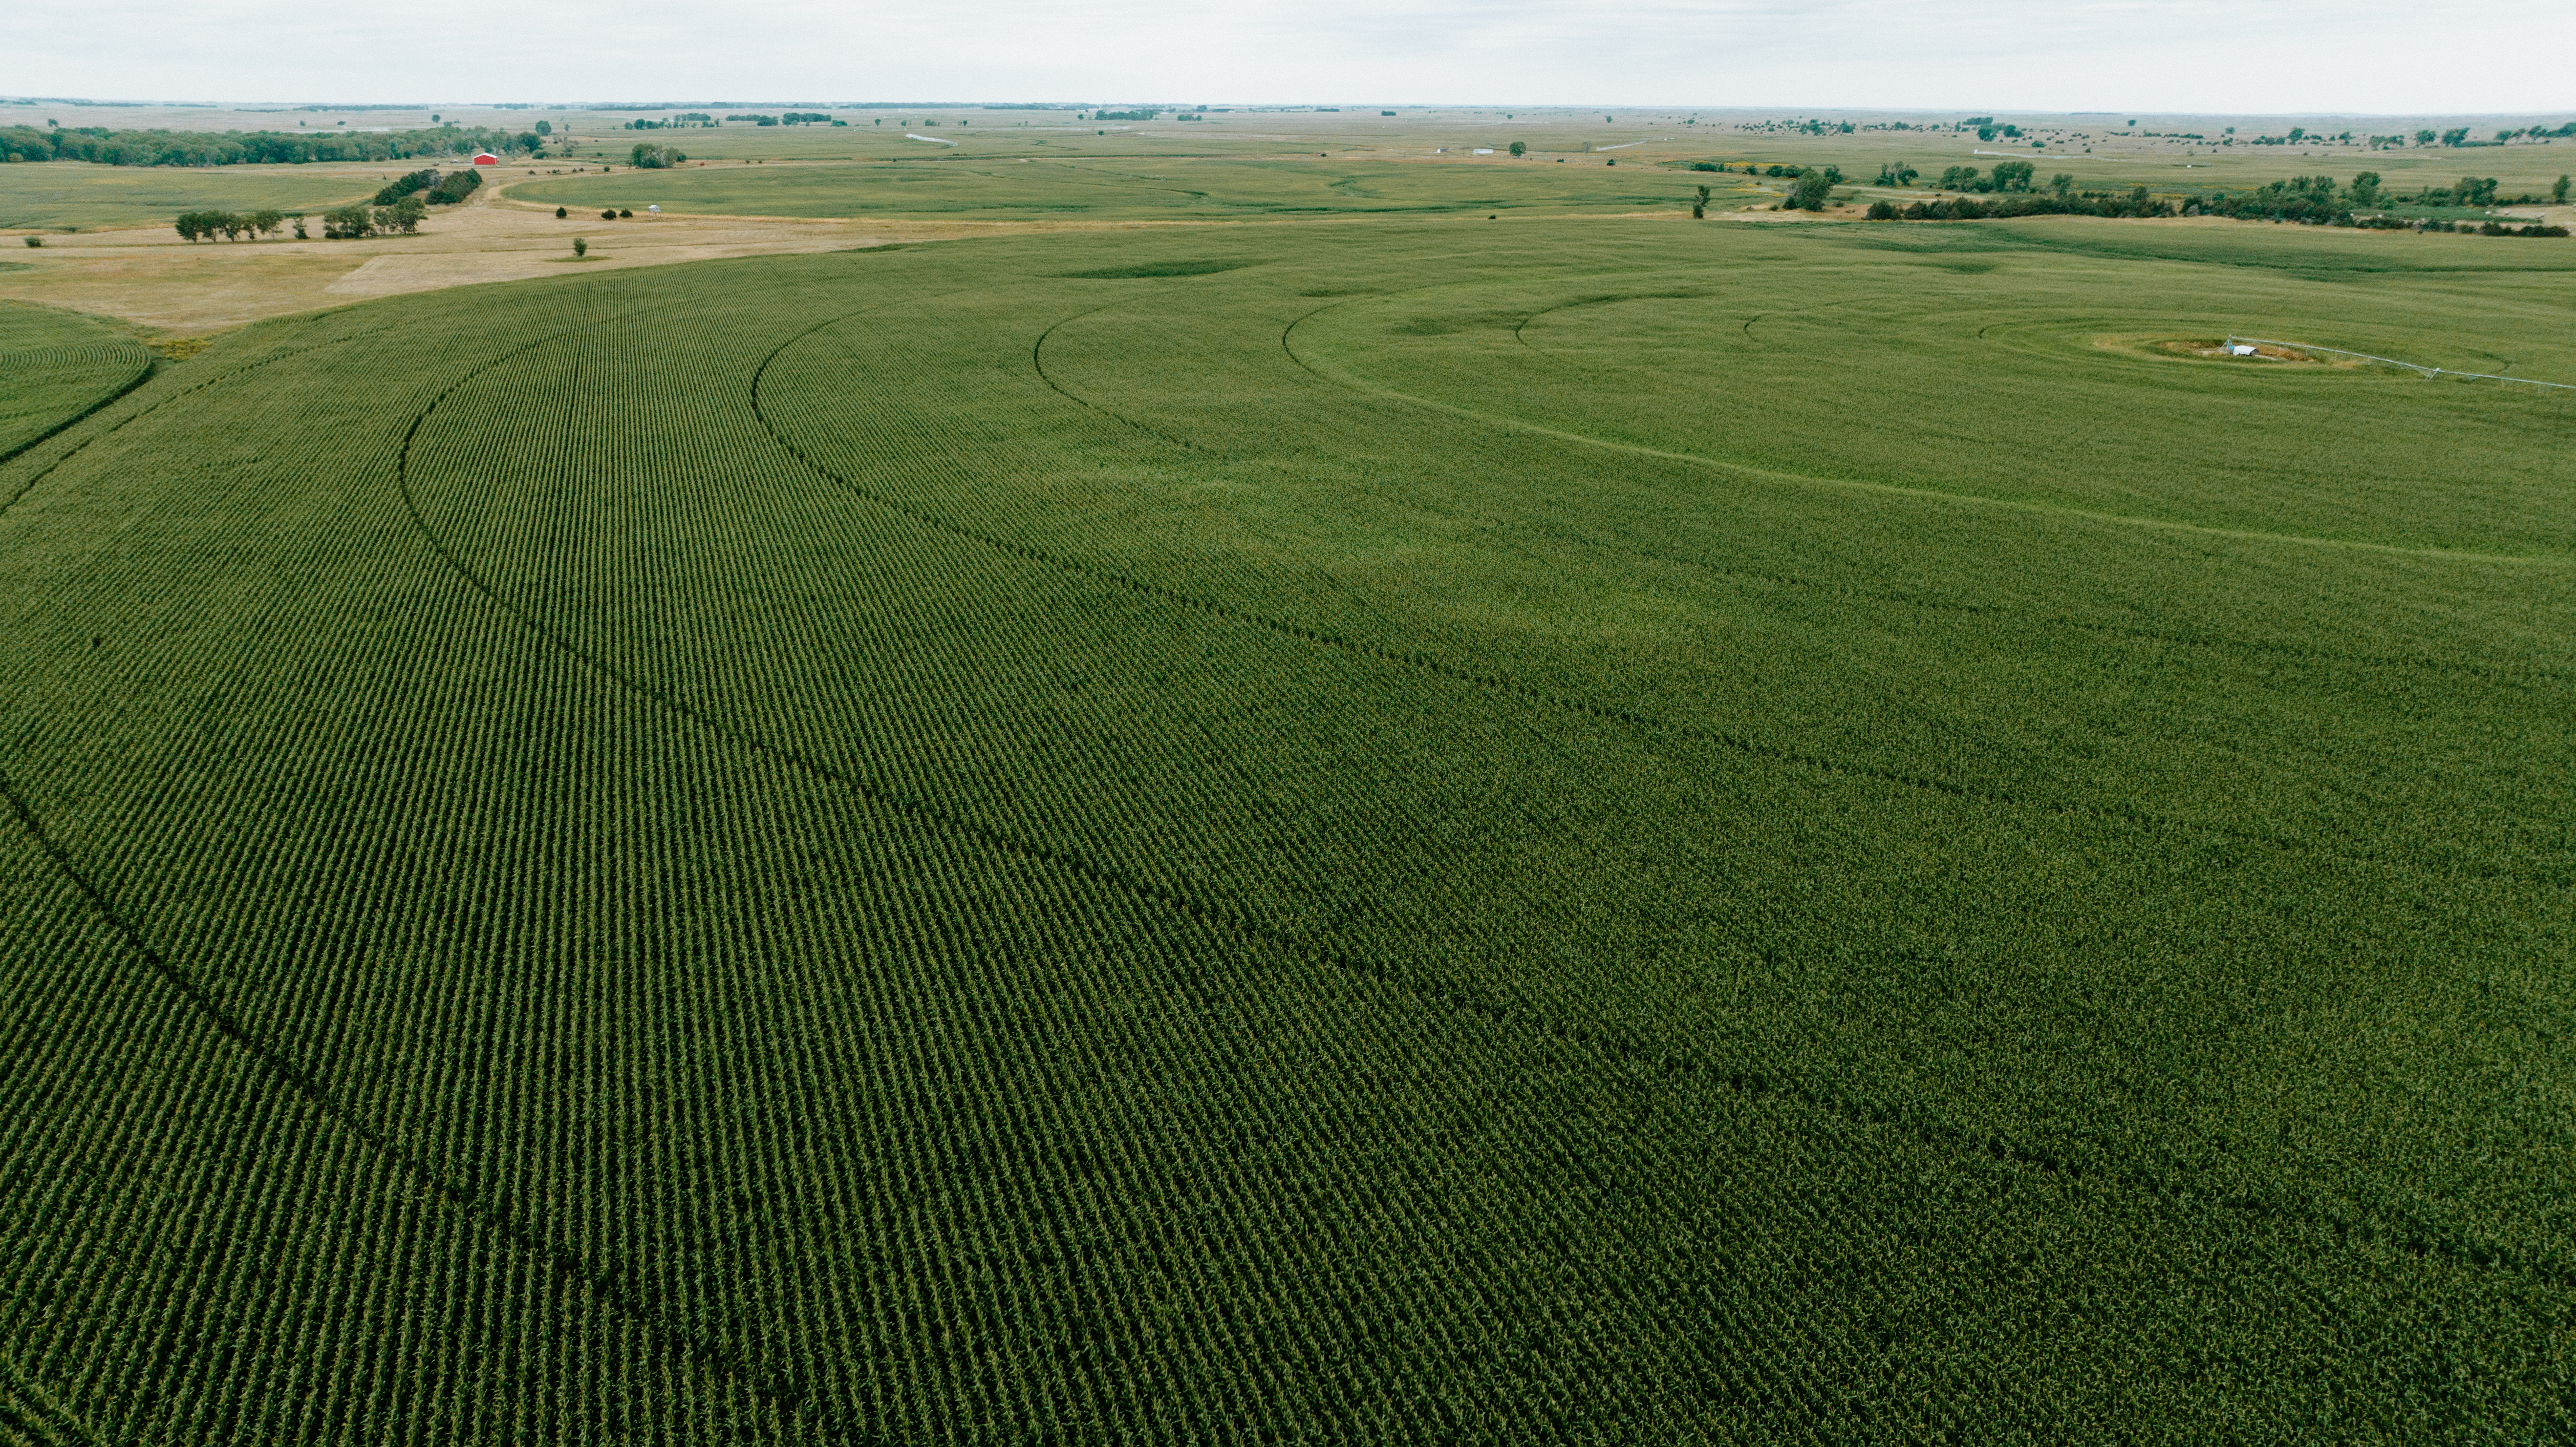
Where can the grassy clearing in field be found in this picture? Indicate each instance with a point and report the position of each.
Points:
(1588, 830)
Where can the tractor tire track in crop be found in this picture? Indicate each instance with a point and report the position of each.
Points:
(1774, 475)
(791, 1396)
(1037, 359)
(2000, 613)
(2213, 642)
(143, 374)
(1608, 713)
(2416, 1237)
(1224, 917)
(138, 414)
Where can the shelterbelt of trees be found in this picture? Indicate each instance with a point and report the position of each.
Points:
(2309, 200)
(105, 147)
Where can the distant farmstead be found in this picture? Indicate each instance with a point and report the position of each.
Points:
(486, 158)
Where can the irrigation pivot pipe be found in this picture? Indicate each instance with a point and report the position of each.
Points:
(2233, 339)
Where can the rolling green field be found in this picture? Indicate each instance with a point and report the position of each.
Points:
(69, 196)
(1153, 188)
(58, 365)
(1584, 830)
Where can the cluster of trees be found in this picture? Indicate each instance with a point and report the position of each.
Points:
(347, 223)
(234, 225)
(2054, 202)
(440, 190)
(1124, 115)
(2470, 191)
(101, 146)
(655, 158)
(1756, 168)
(685, 120)
(2008, 176)
(2490, 228)
(430, 186)
(804, 118)
(2306, 200)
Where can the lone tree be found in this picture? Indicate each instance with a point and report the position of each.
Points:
(580, 246)
(2558, 192)
(1699, 207)
(1814, 188)
(1520, 148)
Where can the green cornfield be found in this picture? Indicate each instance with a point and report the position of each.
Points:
(1573, 831)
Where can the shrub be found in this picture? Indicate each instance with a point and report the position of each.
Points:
(608, 215)
(560, 213)
(35, 241)
(580, 246)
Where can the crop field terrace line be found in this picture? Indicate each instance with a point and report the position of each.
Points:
(2412, 1236)
(2448, 555)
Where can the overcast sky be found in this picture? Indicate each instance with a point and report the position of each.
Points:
(2235, 56)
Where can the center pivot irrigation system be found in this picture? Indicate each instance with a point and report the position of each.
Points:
(2233, 339)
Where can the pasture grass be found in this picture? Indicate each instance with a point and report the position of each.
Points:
(1585, 830)
(75, 196)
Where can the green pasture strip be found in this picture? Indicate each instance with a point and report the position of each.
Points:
(72, 196)
(58, 366)
(1168, 188)
(1554, 832)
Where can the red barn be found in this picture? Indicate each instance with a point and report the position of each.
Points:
(486, 158)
